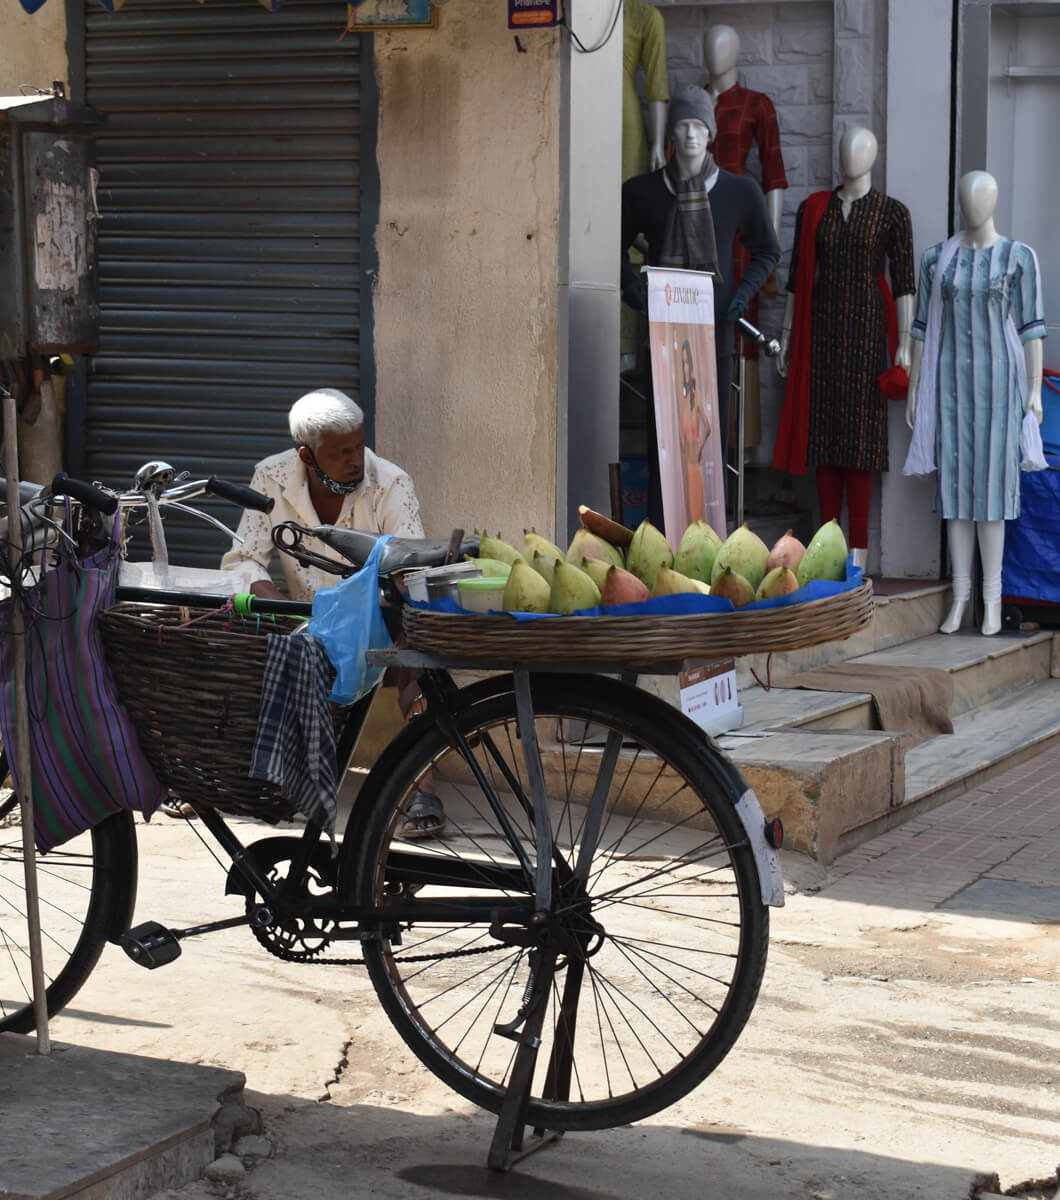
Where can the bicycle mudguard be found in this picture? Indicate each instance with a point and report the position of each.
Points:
(766, 858)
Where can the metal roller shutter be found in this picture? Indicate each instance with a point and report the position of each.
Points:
(229, 250)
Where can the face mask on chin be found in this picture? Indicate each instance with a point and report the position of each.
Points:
(333, 485)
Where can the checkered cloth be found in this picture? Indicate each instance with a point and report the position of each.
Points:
(295, 743)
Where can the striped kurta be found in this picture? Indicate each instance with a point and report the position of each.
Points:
(848, 326)
(980, 408)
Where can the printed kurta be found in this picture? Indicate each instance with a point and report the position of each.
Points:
(643, 44)
(980, 406)
(848, 326)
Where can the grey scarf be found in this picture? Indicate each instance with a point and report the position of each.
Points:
(688, 240)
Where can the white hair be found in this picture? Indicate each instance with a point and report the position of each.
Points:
(326, 410)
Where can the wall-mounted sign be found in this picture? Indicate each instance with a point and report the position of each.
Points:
(390, 14)
(530, 14)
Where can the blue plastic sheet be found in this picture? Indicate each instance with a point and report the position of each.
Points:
(1031, 567)
(684, 604)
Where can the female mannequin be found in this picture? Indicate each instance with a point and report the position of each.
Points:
(745, 118)
(966, 395)
(643, 44)
(836, 338)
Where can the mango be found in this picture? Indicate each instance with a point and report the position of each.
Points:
(697, 550)
(525, 590)
(587, 545)
(493, 547)
(787, 552)
(648, 551)
(597, 570)
(826, 555)
(491, 568)
(571, 590)
(545, 567)
(604, 527)
(536, 544)
(730, 585)
(745, 553)
(779, 582)
(622, 587)
(671, 583)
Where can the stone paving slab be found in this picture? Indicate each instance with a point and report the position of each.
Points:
(99, 1125)
(1007, 898)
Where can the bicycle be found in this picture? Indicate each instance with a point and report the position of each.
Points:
(580, 950)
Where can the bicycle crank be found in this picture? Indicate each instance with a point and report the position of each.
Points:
(152, 945)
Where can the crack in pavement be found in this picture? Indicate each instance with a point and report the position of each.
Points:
(343, 1063)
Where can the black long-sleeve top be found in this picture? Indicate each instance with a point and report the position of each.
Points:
(737, 206)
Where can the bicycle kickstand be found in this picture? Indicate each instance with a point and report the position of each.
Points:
(510, 1144)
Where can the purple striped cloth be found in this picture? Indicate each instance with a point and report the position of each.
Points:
(86, 760)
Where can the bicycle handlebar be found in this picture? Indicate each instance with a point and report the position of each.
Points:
(246, 497)
(84, 493)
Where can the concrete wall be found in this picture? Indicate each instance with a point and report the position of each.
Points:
(918, 169)
(468, 239)
(32, 48)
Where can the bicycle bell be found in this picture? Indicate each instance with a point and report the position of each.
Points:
(154, 477)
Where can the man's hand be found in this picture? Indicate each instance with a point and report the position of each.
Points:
(737, 308)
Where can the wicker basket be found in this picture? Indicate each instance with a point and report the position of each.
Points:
(193, 694)
(639, 641)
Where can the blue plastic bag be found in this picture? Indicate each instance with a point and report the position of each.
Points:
(348, 620)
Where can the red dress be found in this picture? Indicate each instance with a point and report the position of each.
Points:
(745, 118)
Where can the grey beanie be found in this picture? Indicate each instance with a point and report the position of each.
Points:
(691, 103)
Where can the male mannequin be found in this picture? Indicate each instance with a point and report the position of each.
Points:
(736, 206)
(965, 409)
(745, 118)
(835, 335)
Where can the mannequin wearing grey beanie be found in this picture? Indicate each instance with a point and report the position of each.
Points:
(736, 206)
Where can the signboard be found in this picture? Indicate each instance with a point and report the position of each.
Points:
(684, 380)
(531, 14)
(708, 696)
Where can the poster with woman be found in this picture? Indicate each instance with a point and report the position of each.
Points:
(684, 380)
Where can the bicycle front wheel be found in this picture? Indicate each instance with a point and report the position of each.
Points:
(655, 900)
(86, 891)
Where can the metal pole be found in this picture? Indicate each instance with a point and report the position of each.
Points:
(22, 754)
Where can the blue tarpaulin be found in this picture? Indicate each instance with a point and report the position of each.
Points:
(1031, 566)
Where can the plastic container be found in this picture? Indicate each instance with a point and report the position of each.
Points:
(481, 595)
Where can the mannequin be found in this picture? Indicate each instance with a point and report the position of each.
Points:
(989, 304)
(736, 206)
(835, 340)
(744, 118)
(643, 44)
(643, 145)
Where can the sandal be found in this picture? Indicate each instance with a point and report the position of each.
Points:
(424, 817)
(179, 809)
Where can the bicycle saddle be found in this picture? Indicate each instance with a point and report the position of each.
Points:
(399, 554)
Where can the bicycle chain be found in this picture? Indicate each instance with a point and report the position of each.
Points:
(288, 956)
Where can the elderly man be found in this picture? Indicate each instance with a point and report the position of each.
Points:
(330, 477)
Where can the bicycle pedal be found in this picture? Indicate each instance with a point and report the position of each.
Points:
(150, 945)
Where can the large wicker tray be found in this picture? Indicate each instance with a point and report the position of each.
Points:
(193, 693)
(639, 641)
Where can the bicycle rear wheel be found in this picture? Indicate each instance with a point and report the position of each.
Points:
(86, 887)
(663, 938)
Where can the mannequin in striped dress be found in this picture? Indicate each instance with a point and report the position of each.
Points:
(985, 364)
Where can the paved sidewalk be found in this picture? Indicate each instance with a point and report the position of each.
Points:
(994, 850)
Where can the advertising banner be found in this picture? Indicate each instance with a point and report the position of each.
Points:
(684, 379)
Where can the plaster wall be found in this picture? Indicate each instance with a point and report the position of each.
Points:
(32, 48)
(918, 137)
(465, 299)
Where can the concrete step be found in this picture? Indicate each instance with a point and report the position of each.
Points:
(983, 670)
(83, 1124)
(902, 617)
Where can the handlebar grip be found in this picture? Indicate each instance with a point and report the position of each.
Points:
(85, 493)
(245, 497)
